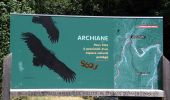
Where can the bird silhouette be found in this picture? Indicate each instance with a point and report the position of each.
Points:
(48, 23)
(43, 56)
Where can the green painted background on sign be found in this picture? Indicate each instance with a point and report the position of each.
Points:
(134, 52)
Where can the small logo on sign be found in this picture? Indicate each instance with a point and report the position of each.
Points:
(85, 64)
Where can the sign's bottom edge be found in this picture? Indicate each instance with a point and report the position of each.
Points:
(88, 92)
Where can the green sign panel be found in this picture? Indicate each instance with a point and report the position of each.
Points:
(83, 52)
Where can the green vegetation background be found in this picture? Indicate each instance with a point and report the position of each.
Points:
(81, 7)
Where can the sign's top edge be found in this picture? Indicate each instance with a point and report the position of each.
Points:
(84, 16)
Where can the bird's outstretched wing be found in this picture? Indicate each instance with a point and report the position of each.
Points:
(48, 23)
(33, 43)
(43, 56)
(59, 67)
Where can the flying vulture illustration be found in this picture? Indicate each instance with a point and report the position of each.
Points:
(43, 56)
(48, 24)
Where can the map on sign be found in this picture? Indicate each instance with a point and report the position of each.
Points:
(83, 52)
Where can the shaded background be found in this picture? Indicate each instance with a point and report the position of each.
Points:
(83, 7)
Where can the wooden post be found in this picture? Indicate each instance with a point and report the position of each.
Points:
(166, 78)
(6, 77)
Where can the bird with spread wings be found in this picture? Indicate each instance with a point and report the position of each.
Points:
(43, 56)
